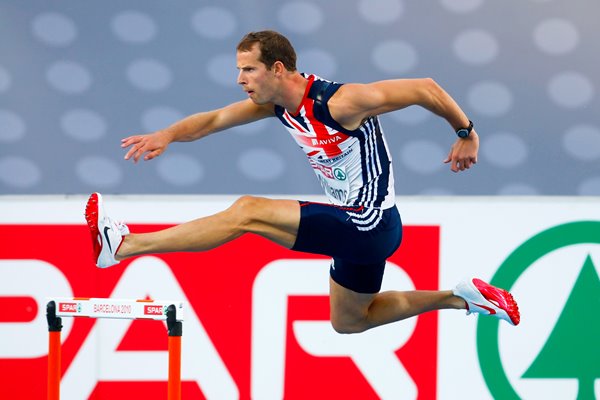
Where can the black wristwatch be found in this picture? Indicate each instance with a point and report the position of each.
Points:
(465, 132)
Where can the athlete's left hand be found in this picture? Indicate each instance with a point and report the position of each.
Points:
(463, 153)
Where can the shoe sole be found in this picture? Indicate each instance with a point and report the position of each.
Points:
(92, 216)
(500, 298)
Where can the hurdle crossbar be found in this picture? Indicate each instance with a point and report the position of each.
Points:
(169, 311)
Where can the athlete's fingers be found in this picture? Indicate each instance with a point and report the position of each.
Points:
(448, 157)
(129, 153)
(469, 162)
(457, 165)
(128, 141)
(139, 153)
(143, 146)
(134, 142)
(140, 145)
(132, 151)
(153, 154)
(454, 165)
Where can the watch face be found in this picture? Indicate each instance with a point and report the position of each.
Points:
(462, 133)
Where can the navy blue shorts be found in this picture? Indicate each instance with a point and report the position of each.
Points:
(358, 239)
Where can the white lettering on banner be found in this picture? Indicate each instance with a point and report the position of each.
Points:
(147, 276)
(372, 351)
(153, 310)
(16, 280)
(67, 307)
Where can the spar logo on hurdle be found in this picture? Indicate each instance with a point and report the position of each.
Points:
(154, 310)
(69, 307)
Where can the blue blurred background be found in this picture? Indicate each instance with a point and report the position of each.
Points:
(77, 76)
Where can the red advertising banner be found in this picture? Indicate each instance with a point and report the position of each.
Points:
(231, 340)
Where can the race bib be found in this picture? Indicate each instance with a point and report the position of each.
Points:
(335, 182)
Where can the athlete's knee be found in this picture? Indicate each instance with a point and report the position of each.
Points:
(245, 210)
(245, 203)
(349, 325)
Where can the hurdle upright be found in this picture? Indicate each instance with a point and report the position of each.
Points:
(165, 310)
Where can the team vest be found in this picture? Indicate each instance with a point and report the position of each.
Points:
(353, 167)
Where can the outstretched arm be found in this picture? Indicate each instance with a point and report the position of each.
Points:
(194, 127)
(355, 102)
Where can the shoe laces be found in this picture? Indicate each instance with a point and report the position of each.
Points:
(122, 227)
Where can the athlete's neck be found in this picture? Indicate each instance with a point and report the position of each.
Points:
(292, 91)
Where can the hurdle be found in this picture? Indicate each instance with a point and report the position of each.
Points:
(169, 311)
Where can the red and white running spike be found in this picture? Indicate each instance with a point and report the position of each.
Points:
(107, 235)
(485, 299)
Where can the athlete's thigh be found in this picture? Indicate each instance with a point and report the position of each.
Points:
(274, 219)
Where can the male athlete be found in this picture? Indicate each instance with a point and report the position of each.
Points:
(338, 128)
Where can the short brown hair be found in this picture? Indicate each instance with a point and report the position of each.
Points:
(273, 47)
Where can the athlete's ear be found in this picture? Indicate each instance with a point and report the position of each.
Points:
(278, 68)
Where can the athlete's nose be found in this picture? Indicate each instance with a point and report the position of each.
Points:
(240, 78)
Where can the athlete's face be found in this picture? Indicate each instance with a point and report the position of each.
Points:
(254, 77)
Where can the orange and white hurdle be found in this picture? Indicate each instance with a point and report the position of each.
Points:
(169, 311)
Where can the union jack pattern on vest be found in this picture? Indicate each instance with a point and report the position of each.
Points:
(353, 167)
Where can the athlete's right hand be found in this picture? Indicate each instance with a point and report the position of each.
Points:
(150, 146)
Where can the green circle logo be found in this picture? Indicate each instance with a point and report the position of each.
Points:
(583, 232)
(339, 174)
